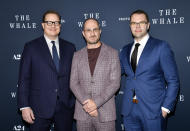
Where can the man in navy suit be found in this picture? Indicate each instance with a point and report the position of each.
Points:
(44, 96)
(152, 81)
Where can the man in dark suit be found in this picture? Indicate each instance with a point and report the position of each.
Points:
(44, 96)
(152, 81)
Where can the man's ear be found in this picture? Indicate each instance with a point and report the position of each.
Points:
(43, 25)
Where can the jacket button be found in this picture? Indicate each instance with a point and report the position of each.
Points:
(58, 77)
(56, 90)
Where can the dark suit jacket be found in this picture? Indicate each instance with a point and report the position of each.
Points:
(39, 82)
(155, 82)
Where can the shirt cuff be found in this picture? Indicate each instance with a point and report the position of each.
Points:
(23, 108)
(165, 109)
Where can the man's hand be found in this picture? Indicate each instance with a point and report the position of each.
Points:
(94, 113)
(28, 115)
(164, 114)
(89, 105)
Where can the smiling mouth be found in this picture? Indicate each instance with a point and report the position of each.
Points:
(138, 31)
(53, 30)
(93, 36)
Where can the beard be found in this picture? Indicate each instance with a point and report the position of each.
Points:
(93, 42)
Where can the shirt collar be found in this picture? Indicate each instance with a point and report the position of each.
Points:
(49, 41)
(143, 41)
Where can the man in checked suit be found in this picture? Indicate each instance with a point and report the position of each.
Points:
(44, 96)
(95, 78)
(152, 81)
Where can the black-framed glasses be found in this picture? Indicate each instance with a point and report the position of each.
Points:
(142, 23)
(50, 23)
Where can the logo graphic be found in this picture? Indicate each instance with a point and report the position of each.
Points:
(96, 15)
(165, 16)
(62, 21)
(168, 16)
(181, 97)
(13, 94)
(17, 57)
(18, 128)
(188, 59)
(124, 19)
(22, 21)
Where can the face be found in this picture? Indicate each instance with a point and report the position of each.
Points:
(51, 26)
(91, 32)
(139, 26)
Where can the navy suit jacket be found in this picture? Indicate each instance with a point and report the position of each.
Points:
(156, 81)
(39, 82)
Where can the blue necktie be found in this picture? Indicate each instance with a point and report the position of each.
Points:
(55, 55)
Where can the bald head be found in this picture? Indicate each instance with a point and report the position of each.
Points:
(89, 21)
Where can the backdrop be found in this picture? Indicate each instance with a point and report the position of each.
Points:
(21, 22)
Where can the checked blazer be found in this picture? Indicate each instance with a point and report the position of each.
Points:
(101, 87)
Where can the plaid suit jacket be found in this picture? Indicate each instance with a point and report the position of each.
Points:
(101, 87)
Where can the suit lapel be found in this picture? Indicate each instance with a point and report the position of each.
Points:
(127, 58)
(146, 51)
(46, 53)
(62, 52)
(100, 58)
(86, 62)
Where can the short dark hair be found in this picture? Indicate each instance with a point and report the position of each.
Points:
(50, 12)
(140, 12)
(90, 19)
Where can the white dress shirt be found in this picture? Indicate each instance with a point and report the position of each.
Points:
(48, 41)
(140, 48)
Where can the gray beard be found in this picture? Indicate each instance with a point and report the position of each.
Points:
(93, 43)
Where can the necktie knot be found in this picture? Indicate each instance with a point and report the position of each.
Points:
(53, 42)
(137, 45)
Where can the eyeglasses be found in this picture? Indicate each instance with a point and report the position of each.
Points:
(96, 30)
(142, 23)
(50, 23)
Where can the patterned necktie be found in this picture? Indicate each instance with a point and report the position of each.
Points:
(134, 57)
(55, 55)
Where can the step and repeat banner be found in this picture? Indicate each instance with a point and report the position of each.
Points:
(21, 22)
